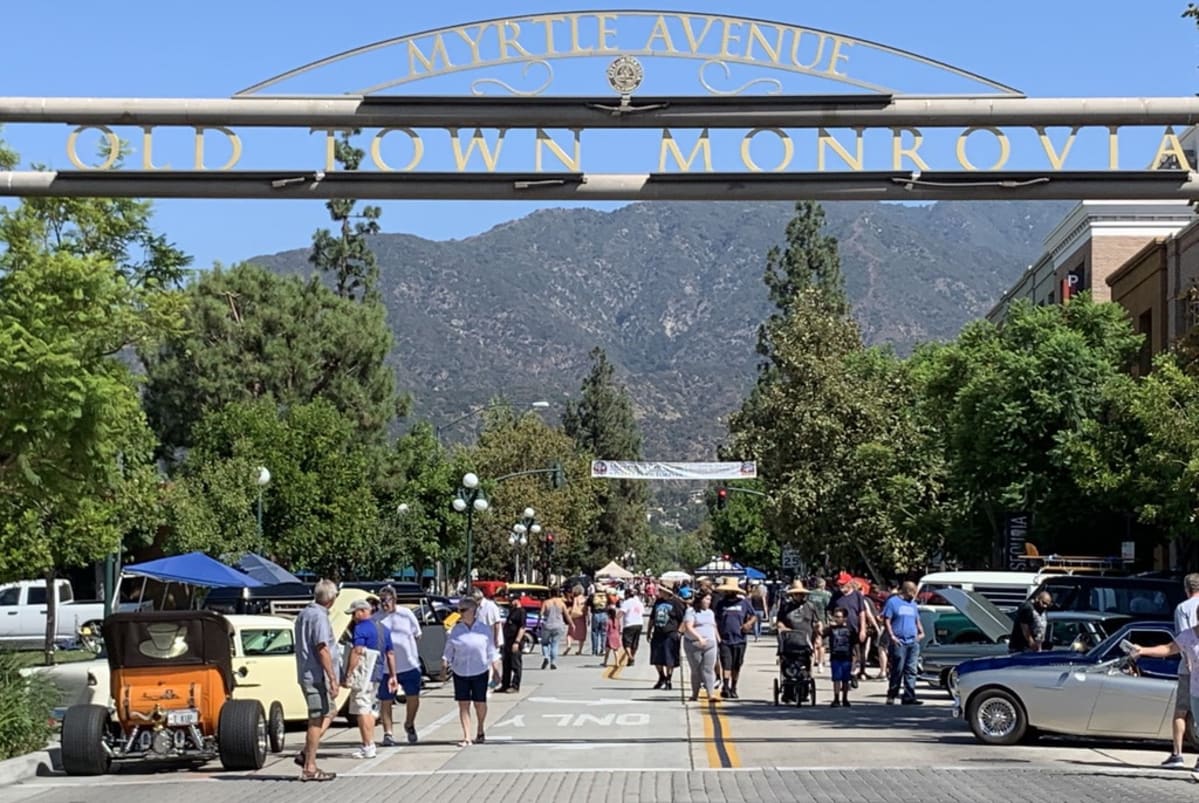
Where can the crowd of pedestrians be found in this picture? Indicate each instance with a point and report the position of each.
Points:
(708, 624)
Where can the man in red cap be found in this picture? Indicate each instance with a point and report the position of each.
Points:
(853, 603)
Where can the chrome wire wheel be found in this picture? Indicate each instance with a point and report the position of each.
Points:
(997, 717)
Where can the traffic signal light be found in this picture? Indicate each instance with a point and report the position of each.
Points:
(557, 477)
(549, 543)
(722, 497)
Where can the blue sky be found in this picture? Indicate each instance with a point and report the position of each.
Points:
(138, 48)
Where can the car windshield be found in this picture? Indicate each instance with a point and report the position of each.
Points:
(267, 642)
(1141, 636)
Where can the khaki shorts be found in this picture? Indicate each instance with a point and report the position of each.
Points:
(1182, 697)
(364, 701)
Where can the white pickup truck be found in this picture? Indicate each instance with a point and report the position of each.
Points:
(23, 615)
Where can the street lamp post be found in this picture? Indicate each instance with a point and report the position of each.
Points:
(262, 479)
(519, 538)
(527, 526)
(440, 428)
(470, 499)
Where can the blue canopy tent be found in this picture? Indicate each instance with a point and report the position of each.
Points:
(194, 570)
(264, 570)
(754, 574)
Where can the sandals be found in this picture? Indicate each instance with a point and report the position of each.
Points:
(319, 775)
(480, 738)
(464, 743)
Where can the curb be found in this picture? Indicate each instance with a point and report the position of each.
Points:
(17, 769)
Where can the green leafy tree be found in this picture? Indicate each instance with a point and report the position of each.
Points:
(807, 413)
(512, 443)
(319, 511)
(347, 257)
(69, 413)
(250, 334)
(740, 531)
(1011, 399)
(420, 476)
(602, 423)
(81, 282)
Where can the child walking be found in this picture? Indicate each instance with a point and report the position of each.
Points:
(612, 642)
(840, 654)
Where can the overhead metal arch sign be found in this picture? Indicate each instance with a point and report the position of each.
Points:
(621, 105)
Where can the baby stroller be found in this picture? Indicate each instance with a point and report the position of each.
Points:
(794, 683)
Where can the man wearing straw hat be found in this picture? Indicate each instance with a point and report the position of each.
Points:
(795, 614)
(734, 618)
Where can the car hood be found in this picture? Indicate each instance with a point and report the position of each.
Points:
(1022, 659)
(993, 622)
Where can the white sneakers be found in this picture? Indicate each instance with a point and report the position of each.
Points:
(365, 751)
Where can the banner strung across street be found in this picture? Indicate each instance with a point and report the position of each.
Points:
(644, 470)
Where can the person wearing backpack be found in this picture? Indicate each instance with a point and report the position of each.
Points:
(372, 653)
(665, 622)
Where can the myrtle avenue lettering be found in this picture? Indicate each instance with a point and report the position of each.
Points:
(536, 39)
(402, 149)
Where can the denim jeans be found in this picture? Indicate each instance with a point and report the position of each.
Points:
(903, 669)
(599, 633)
(549, 644)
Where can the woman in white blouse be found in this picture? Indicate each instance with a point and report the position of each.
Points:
(471, 654)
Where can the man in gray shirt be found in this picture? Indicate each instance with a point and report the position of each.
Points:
(316, 672)
(1185, 617)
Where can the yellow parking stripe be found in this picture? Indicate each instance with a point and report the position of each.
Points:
(722, 753)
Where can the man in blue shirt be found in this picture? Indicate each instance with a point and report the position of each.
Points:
(372, 662)
(734, 618)
(901, 617)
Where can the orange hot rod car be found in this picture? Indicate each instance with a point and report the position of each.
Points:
(171, 685)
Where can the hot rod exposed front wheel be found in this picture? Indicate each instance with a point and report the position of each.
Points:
(242, 735)
(278, 728)
(83, 750)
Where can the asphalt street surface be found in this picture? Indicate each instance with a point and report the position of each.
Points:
(582, 733)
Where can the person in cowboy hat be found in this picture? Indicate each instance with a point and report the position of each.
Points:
(665, 622)
(734, 618)
(796, 615)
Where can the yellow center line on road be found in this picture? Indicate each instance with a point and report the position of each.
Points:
(722, 753)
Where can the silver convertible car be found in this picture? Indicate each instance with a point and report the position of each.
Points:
(1103, 697)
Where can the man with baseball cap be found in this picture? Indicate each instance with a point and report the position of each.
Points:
(372, 650)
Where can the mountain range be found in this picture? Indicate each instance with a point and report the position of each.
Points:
(673, 293)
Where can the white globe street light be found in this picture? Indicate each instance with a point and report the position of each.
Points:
(519, 528)
(528, 514)
(470, 480)
(470, 500)
(480, 504)
(459, 504)
(261, 479)
(402, 508)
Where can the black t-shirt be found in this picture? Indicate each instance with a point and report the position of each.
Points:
(840, 643)
(1025, 615)
(666, 617)
(852, 605)
(515, 621)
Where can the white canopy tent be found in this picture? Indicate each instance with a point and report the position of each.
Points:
(614, 571)
(675, 577)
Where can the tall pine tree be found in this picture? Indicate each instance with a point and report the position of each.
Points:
(601, 423)
(808, 413)
(347, 256)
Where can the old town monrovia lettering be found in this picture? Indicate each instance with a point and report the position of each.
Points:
(402, 149)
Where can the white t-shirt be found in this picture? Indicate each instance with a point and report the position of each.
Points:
(1188, 643)
(634, 612)
(405, 630)
(489, 614)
